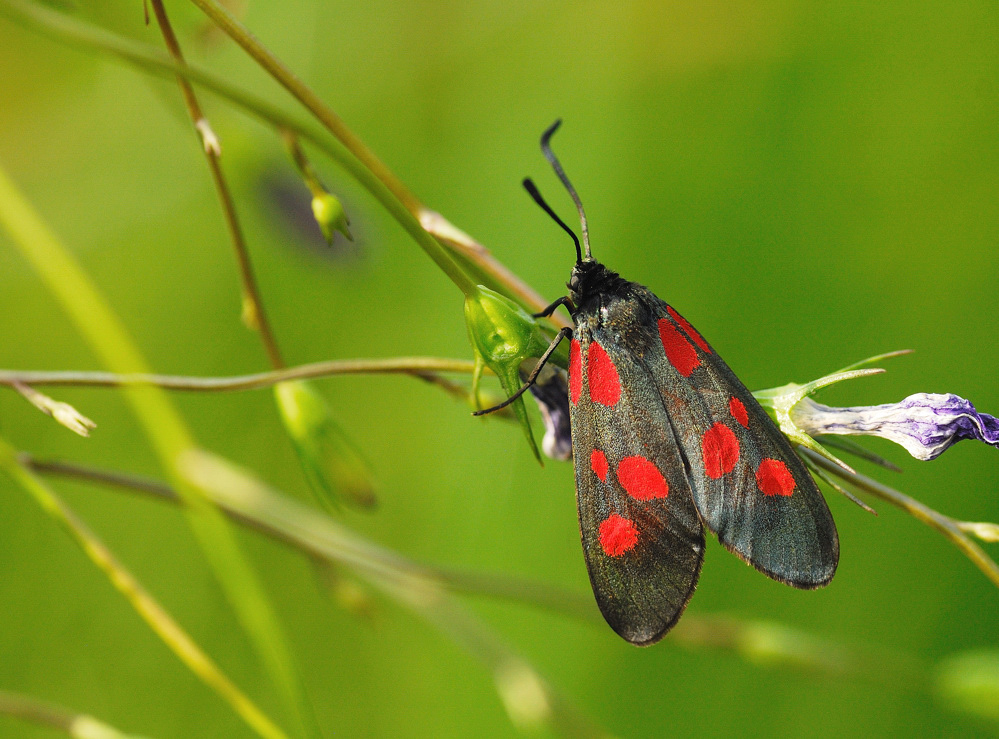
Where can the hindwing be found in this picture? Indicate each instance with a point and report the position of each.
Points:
(749, 486)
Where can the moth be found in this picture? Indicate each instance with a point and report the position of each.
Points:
(666, 442)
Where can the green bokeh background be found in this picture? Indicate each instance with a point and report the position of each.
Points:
(810, 183)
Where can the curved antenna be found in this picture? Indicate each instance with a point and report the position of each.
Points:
(533, 191)
(546, 149)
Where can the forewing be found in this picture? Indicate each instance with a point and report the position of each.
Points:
(749, 486)
(642, 538)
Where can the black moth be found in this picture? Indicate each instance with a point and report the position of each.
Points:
(666, 440)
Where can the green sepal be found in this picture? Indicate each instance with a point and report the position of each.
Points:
(503, 335)
(333, 466)
(330, 215)
(779, 402)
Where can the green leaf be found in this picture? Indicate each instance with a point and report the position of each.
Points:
(330, 215)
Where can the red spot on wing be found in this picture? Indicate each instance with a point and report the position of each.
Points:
(690, 330)
(598, 463)
(605, 384)
(738, 411)
(774, 478)
(641, 479)
(575, 371)
(680, 353)
(617, 535)
(720, 449)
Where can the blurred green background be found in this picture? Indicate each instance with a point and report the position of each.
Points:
(810, 183)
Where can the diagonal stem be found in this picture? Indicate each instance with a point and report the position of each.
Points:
(253, 307)
(944, 524)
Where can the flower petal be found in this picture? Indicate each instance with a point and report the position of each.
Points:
(925, 424)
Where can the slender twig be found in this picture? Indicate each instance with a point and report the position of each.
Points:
(147, 607)
(946, 525)
(499, 586)
(168, 434)
(301, 161)
(750, 639)
(423, 367)
(364, 165)
(253, 308)
(234, 488)
(28, 708)
(39, 712)
(84, 35)
(430, 221)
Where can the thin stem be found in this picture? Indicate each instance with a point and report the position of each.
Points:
(944, 524)
(253, 308)
(301, 161)
(423, 367)
(752, 640)
(483, 264)
(233, 487)
(301, 92)
(84, 35)
(166, 430)
(499, 586)
(363, 165)
(391, 186)
(77, 725)
(147, 607)
(39, 712)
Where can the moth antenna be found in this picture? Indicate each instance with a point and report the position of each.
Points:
(533, 192)
(546, 149)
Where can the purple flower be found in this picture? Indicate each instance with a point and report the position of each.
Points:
(926, 424)
(552, 396)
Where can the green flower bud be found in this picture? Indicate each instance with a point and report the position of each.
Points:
(63, 413)
(333, 466)
(330, 215)
(503, 335)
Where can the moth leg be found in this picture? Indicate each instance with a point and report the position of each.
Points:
(563, 333)
(564, 300)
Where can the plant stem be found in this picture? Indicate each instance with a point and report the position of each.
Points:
(77, 33)
(363, 164)
(497, 586)
(423, 367)
(76, 725)
(390, 191)
(944, 524)
(253, 308)
(698, 630)
(31, 709)
(148, 608)
(164, 427)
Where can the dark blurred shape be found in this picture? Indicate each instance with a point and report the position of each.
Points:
(288, 205)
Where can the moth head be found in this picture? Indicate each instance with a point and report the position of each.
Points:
(587, 278)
